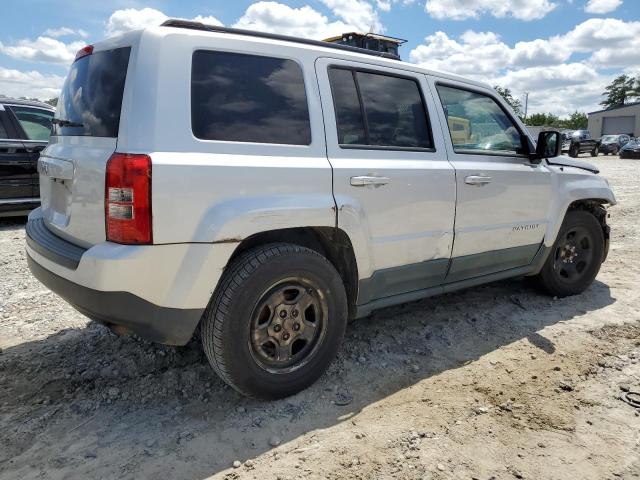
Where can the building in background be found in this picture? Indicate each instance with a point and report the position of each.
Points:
(617, 120)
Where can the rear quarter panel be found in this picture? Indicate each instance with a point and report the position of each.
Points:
(218, 191)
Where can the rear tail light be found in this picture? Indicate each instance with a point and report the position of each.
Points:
(127, 201)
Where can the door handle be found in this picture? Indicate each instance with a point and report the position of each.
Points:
(364, 180)
(478, 180)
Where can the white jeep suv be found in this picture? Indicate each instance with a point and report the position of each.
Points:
(263, 190)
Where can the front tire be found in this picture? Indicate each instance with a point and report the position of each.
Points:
(575, 257)
(594, 152)
(574, 151)
(276, 321)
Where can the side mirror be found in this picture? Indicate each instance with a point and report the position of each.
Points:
(549, 146)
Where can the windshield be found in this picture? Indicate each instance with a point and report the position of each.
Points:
(91, 98)
(609, 139)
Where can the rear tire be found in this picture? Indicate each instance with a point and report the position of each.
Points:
(276, 320)
(576, 256)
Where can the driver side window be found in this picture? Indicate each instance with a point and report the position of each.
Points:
(477, 124)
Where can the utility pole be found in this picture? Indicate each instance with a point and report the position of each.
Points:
(526, 106)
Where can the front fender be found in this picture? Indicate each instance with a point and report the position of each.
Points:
(570, 185)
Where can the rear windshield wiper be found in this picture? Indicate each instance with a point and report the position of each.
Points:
(67, 123)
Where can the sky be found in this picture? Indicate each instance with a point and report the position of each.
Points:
(562, 52)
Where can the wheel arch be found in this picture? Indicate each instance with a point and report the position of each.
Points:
(574, 188)
(331, 242)
(595, 206)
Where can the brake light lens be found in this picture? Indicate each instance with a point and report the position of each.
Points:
(84, 51)
(127, 202)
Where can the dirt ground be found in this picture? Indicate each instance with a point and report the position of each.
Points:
(496, 382)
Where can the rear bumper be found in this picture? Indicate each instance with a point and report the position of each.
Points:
(52, 247)
(157, 291)
(171, 326)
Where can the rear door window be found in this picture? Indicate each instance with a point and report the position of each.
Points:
(248, 98)
(91, 98)
(379, 110)
(35, 122)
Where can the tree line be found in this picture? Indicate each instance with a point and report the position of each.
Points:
(52, 101)
(623, 90)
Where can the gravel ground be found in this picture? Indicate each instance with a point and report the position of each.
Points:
(496, 382)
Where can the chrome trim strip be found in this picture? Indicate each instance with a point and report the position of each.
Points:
(30, 106)
(13, 201)
(22, 140)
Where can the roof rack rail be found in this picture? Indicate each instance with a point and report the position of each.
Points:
(273, 36)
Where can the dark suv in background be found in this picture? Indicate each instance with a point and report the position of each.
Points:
(611, 144)
(579, 141)
(25, 127)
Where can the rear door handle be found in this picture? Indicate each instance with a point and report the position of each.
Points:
(478, 180)
(364, 180)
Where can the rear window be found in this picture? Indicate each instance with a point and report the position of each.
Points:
(248, 98)
(91, 98)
